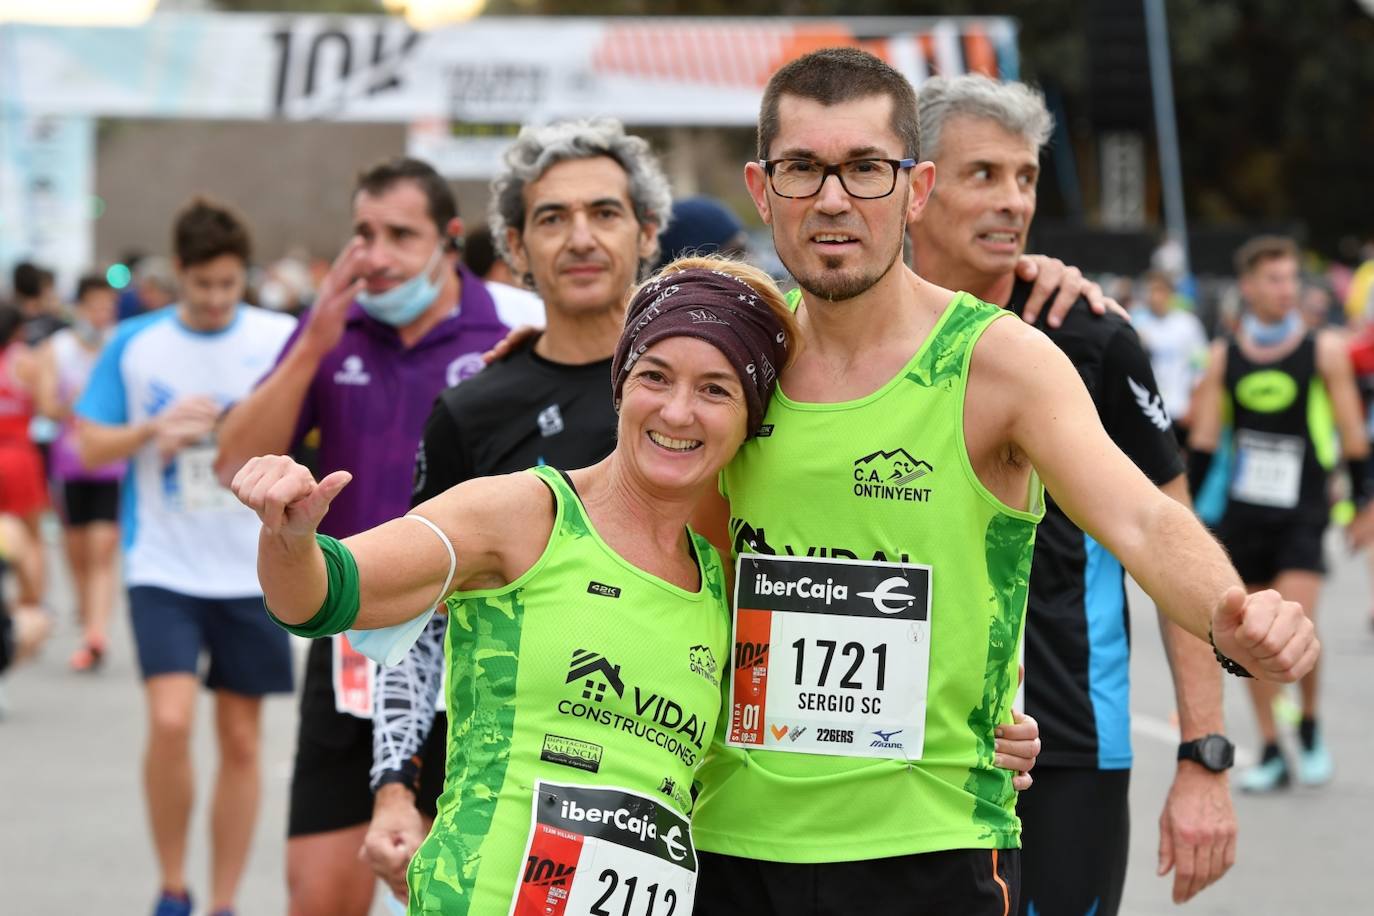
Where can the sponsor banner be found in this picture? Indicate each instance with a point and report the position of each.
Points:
(490, 70)
(598, 850)
(831, 657)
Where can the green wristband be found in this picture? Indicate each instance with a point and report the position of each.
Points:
(340, 608)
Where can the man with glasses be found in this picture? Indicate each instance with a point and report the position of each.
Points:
(884, 535)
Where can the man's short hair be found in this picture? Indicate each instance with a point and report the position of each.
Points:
(206, 230)
(382, 177)
(540, 148)
(28, 280)
(1015, 107)
(1263, 248)
(835, 75)
(90, 282)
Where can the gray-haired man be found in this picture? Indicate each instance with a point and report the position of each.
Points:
(985, 138)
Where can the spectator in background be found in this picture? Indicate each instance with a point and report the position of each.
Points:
(154, 286)
(1359, 296)
(38, 306)
(1177, 345)
(23, 485)
(286, 286)
(1319, 307)
(89, 497)
(701, 225)
(482, 258)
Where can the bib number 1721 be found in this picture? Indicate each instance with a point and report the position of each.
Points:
(852, 661)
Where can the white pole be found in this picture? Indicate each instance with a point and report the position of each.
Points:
(1166, 127)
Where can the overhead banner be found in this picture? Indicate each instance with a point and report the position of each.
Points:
(487, 71)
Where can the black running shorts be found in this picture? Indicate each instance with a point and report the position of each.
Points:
(329, 784)
(1075, 833)
(87, 501)
(967, 882)
(1261, 546)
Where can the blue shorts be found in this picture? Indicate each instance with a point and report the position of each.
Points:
(249, 654)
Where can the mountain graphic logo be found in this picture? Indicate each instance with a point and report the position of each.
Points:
(584, 665)
(896, 468)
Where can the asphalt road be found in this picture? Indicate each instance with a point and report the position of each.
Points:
(73, 837)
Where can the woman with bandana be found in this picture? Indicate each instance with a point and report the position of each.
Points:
(590, 629)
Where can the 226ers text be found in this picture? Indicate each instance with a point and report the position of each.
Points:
(831, 656)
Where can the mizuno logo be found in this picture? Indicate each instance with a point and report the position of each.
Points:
(885, 739)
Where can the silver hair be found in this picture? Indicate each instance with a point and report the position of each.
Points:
(539, 148)
(1015, 107)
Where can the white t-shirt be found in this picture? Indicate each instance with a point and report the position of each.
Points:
(182, 531)
(1177, 346)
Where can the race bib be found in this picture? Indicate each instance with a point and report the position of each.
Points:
(197, 484)
(603, 851)
(831, 657)
(1268, 469)
(355, 681)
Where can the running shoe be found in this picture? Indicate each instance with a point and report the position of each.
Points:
(88, 658)
(1314, 764)
(170, 904)
(1265, 777)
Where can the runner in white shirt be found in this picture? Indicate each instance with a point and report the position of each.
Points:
(155, 397)
(1177, 345)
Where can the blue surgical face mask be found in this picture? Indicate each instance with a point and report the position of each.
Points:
(405, 302)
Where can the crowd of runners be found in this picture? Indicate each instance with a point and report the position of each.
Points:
(637, 582)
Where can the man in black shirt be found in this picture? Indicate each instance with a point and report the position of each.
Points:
(577, 212)
(984, 138)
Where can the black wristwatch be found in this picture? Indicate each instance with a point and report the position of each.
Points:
(1212, 751)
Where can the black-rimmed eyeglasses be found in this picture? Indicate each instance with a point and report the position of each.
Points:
(865, 179)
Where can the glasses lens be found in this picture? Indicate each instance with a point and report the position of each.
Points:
(867, 177)
(860, 177)
(796, 177)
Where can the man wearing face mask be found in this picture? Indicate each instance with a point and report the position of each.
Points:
(398, 318)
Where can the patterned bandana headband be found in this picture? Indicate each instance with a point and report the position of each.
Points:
(713, 306)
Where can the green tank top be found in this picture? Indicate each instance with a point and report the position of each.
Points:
(585, 671)
(885, 478)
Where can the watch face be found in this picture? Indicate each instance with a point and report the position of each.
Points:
(1215, 753)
